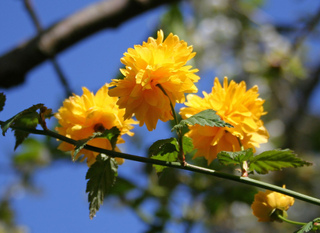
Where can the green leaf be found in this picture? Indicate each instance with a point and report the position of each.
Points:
(7, 124)
(164, 146)
(110, 134)
(173, 21)
(187, 144)
(28, 120)
(33, 154)
(164, 150)
(2, 100)
(80, 144)
(169, 157)
(206, 117)
(7, 214)
(305, 228)
(309, 226)
(275, 160)
(101, 177)
(238, 157)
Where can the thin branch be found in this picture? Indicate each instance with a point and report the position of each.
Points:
(32, 15)
(53, 60)
(303, 103)
(179, 131)
(177, 165)
(15, 64)
(307, 86)
(308, 28)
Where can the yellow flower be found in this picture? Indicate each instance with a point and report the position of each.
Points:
(265, 203)
(235, 105)
(156, 62)
(81, 116)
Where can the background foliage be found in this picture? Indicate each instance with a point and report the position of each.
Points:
(234, 38)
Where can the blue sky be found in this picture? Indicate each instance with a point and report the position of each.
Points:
(62, 205)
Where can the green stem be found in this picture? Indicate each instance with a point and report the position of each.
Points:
(171, 105)
(186, 166)
(241, 146)
(290, 221)
(179, 131)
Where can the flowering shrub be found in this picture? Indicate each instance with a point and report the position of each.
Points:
(225, 125)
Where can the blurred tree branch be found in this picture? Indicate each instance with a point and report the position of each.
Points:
(15, 64)
(53, 60)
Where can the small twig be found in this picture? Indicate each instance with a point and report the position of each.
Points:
(188, 167)
(53, 60)
(313, 22)
(179, 130)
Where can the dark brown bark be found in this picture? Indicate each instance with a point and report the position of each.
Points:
(15, 64)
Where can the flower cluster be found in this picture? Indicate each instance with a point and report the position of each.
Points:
(155, 78)
(266, 203)
(235, 105)
(155, 62)
(81, 116)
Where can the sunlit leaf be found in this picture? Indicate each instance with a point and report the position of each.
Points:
(164, 150)
(187, 145)
(238, 157)
(27, 112)
(28, 120)
(207, 117)
(309, 226)
(101, 177)
(305, 228)
(275, 160)
(112, 135)
(168, 157)
(164, 146)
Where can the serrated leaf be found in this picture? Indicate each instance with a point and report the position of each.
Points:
(187, 145)
(305, 228)
(164, 150)
(110, 134)
(207, 117)
(163, 146)
(101, 177)
(309, 226)
(2, 100)
(238, 157)
(7, 124)
(168, 157)
(275, 160)
(29, 120)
